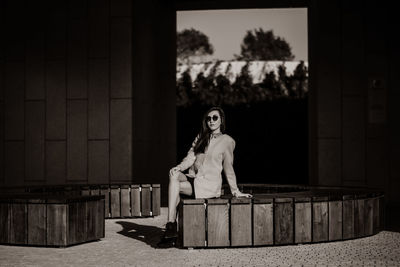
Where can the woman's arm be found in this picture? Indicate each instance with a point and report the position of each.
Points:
(189, 159)
(229, 171)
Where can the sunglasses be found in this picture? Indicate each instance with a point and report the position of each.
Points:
(214, 118)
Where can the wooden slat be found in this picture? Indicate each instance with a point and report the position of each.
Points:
(105, 191)
(283, 214)
(376, 215)
(4, 222)
(98, 28)
(85, 191)
(156, 199)
(135, 200)
(241, 223)
(125, 201)
(192, 222)
(57, 225)
(77, 229)
(37, 224)
(263, 224)
(99, 220)
(369, 217)
(303, 223)
(146, 200)
(218, 223)
(320, 221)
(18, 224)
(94, 190)
(335, 220)
(115, 202)
(348, 219)
(91, 216)
(359, 218)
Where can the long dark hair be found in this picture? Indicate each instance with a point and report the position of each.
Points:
(204, 136)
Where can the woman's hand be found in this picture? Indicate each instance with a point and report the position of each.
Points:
(174, 170)
(240, 194)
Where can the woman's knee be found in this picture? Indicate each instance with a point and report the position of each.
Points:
(173, 177)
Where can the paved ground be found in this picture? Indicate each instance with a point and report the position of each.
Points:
(131, 242)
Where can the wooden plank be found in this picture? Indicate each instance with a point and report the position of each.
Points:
(218, 223)
(94, 190)
(91, 216)
(105, 191)
(135, 200)
(4, 222)
(348, 219)
(146, 200)
(115, 202)
(77, 229)
(99, 220)
(18, 224)
(359, 218)
(156, 199)
(263, 224)
(241, 223)
(56, 224)
(376, 215)
(302, 225)
(192, 225)
(335, 220)
(125, 201)
(77, 140)
(37, 224)
(283, 215)
(85, 191)
(368, 217)
(320, 221)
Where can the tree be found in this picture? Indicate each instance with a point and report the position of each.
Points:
(261, 45)
(192, 43)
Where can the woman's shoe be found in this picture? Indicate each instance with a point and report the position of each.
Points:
(171, 230)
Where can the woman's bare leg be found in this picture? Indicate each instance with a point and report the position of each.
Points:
(178, 183)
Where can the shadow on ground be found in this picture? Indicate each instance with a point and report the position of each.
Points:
(148, 234)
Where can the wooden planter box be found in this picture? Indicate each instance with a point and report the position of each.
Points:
(44, 220)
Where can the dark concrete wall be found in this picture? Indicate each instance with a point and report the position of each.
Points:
(66, 86)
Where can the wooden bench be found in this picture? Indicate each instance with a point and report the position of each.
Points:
(309, 216)
(50, 220)
(121, 201)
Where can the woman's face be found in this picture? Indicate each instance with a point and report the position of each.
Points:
(213, 120)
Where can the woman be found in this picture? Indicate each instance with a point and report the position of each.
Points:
(211, 152)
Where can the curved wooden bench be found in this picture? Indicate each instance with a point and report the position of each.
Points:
(121, 200)
(309, 215)
(50, 220)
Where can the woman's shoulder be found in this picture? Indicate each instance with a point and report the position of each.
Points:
(228, 138)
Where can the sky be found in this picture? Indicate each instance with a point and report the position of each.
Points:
(226, 28)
